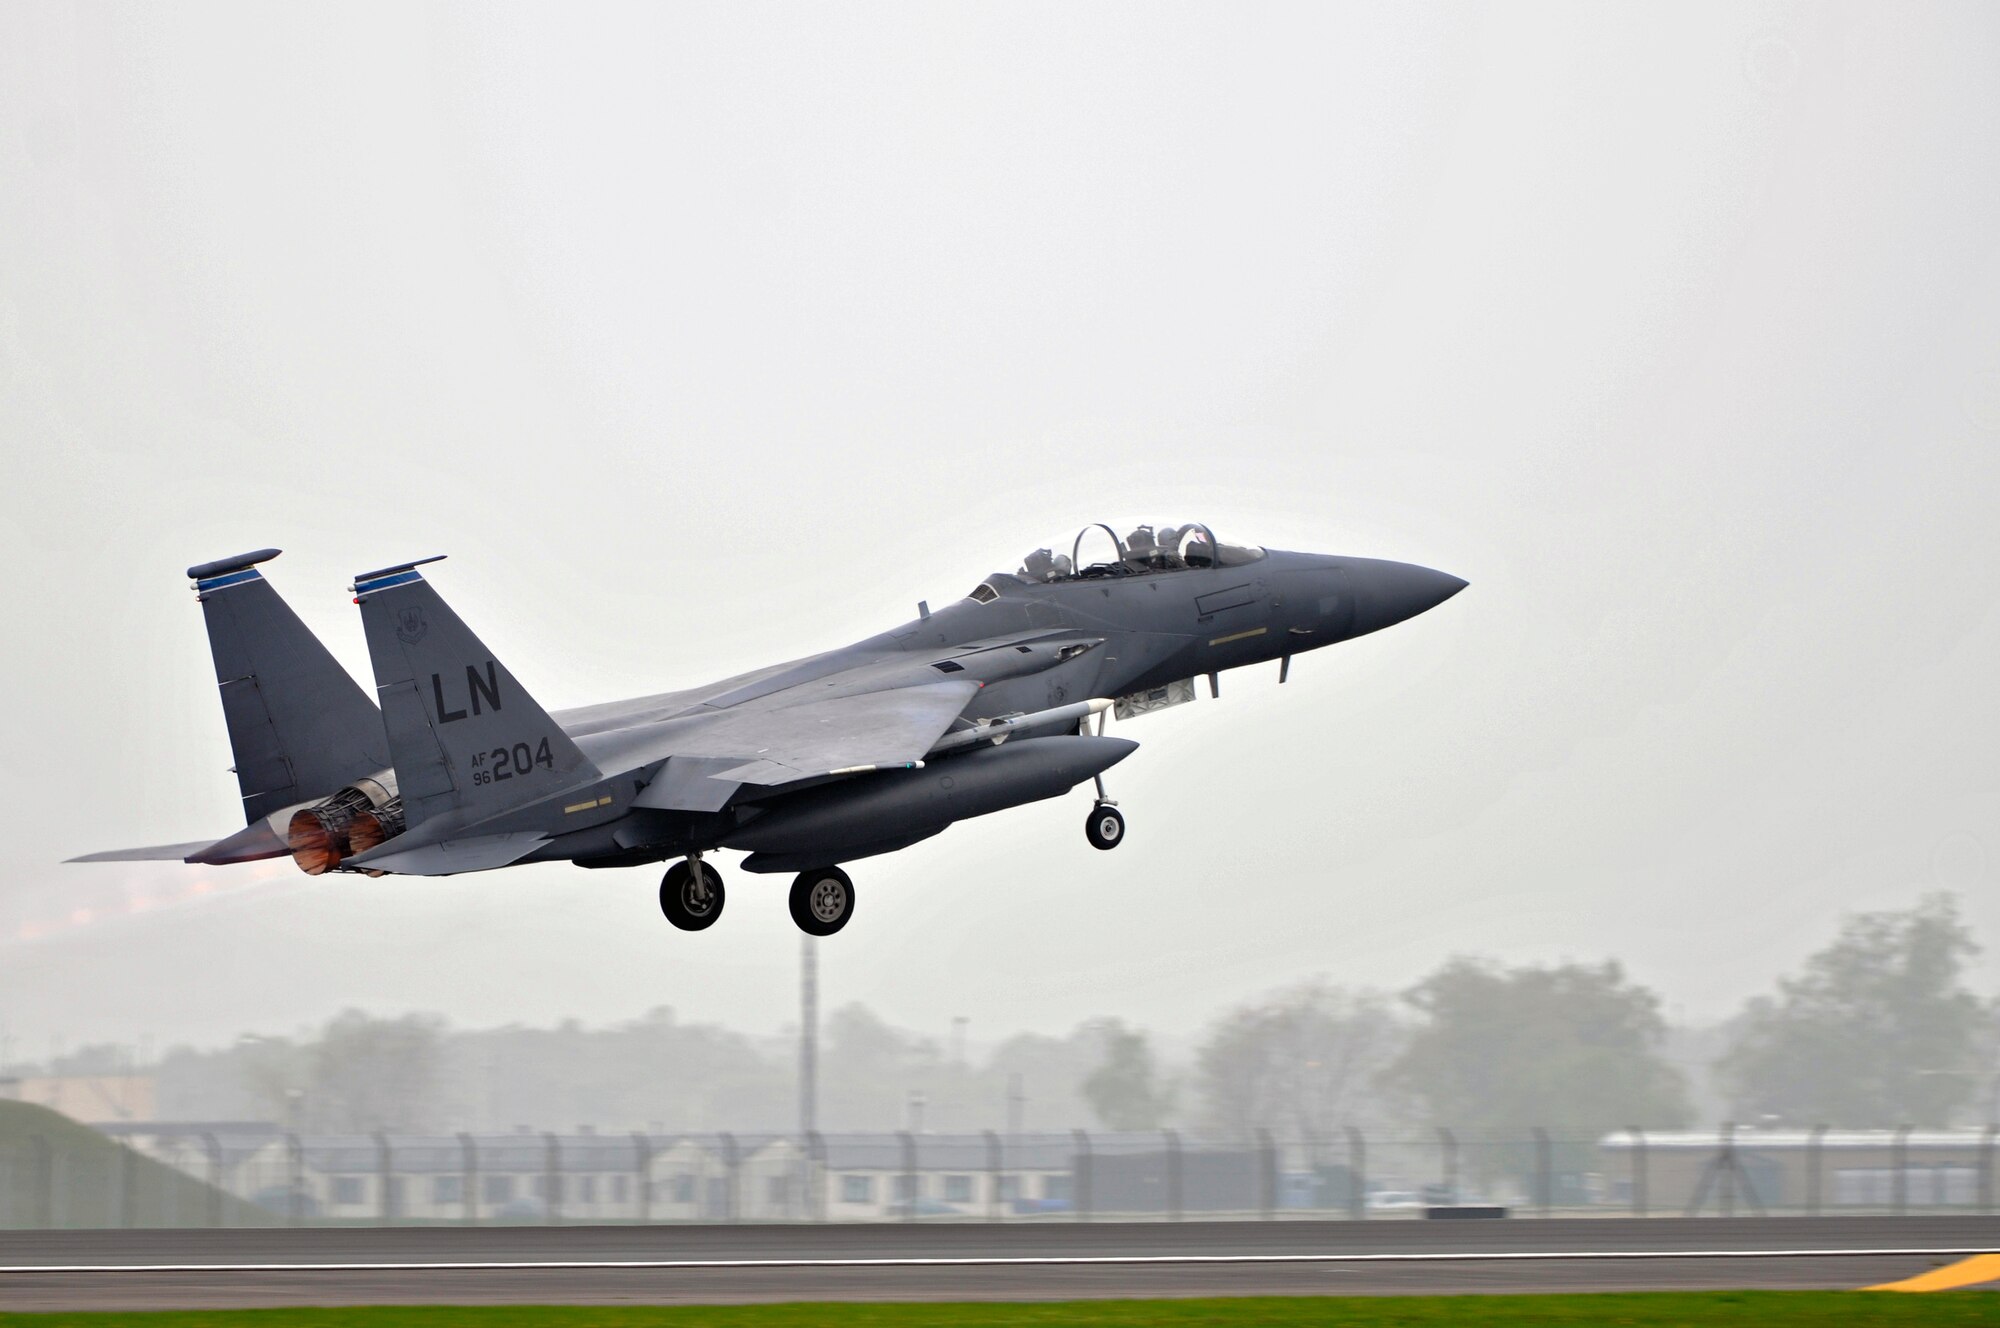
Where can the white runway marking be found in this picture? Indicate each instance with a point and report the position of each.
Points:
(976, 1261)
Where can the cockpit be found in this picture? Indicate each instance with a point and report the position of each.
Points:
(1099, 552)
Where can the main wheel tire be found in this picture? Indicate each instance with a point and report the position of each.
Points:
(1106, 827)
(822, 901)
(685, 907)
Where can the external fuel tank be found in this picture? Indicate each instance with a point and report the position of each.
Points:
(829, 825)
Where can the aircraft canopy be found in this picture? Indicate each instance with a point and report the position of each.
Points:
(1101, 551)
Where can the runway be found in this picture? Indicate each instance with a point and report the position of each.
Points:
(735, 1264)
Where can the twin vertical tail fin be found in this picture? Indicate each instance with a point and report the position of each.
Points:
(299, 726)
(464, 735)
(300, 729)
(455, 731)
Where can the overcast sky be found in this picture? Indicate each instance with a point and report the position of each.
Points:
(706, 336)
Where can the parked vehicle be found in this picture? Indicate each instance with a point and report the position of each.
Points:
(1390, 1201)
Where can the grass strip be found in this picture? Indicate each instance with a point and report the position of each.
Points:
(1700, 1309)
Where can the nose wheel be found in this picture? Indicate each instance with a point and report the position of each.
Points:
(691, 894)
(822, 901)
(1106, 827)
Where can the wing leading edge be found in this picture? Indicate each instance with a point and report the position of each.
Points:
(712, 755)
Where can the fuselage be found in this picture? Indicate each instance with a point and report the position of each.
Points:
(1034, 644)
(453, 766)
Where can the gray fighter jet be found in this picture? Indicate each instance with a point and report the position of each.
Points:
(986, 704)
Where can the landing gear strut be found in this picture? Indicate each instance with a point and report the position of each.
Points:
(1106, 827)
(691, 894)
(822, 901)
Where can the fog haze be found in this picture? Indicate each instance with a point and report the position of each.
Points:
(715, 335)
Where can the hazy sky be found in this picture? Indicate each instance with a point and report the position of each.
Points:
(704, 336)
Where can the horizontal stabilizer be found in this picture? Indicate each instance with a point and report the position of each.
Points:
(252, 843)
(153, 853)
(451, 856)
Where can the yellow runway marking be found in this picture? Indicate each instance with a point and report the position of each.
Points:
(1966, 1272)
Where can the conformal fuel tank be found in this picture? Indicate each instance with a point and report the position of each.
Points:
(827, 826)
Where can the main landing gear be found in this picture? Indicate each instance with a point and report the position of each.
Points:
(691, 894)
(822, 901)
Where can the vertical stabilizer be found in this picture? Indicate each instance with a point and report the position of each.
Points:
(464, 734)
(299, 726)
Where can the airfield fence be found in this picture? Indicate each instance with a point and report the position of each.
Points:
(163, 1176)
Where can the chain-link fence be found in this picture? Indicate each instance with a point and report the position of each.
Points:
(161, 1176)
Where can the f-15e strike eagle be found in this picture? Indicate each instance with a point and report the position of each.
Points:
(983, 705)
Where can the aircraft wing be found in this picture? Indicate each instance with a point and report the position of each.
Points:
(782, 743)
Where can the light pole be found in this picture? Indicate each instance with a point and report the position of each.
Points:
(808, 1037)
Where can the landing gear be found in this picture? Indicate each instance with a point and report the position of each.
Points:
(1106, 827)
(691, 894)
(822, 901)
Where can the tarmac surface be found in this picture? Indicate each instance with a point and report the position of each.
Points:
(75, 1270)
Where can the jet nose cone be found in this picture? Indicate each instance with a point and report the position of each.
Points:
(1388, 593)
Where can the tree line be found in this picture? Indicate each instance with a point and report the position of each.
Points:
(1877, 1028)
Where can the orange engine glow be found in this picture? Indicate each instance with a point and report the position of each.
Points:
(354, 820)
(318, 838)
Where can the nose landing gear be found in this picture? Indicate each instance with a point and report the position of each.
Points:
(1106, 827)
(691, 894)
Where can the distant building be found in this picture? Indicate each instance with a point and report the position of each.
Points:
(1796, 1169)
(532, 1177)
(875, 1177)
(521, 1177)
(94, 1099)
